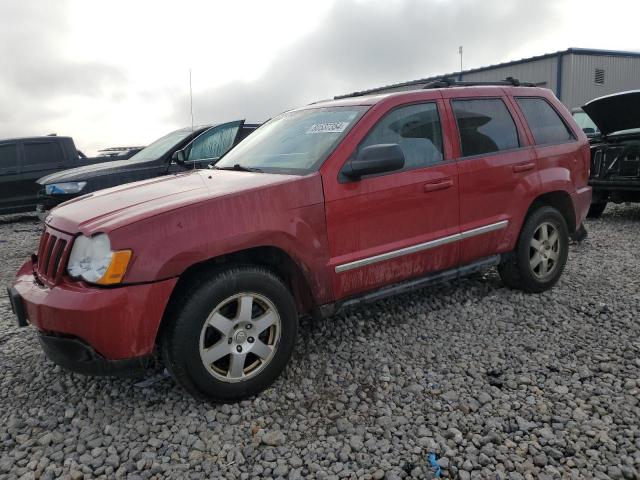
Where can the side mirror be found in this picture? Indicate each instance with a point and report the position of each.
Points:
(178, 157)
(589, 130)
(385, 157)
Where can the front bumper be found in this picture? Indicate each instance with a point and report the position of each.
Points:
(116, 323)
(76, 356)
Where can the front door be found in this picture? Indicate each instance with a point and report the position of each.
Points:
(212, 144)
(394, 226)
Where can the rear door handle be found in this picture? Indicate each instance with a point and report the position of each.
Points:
(523, 167)
(438, 185)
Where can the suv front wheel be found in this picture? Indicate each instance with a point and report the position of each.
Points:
(541, 252)
(232, 335)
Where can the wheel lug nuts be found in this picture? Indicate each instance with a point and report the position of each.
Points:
(250, 339)
(239, 348)
(248, 327)
(230, 340)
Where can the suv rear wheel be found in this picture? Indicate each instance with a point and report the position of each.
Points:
(541, 252)
(232, 335)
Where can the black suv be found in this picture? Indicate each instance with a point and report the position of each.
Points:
(615, 152)
(24, 160)
(177, 151)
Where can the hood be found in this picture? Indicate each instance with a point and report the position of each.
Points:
(87, 172)
(108, 209)
(613, 113)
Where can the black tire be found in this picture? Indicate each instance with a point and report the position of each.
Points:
(516, 271)
(185, 333)
(596, 210)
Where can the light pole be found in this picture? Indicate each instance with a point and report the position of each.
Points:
(460, 52)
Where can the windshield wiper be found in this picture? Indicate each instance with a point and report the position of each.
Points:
(239, 168)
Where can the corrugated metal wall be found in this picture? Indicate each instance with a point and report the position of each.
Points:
(543, 72)
(578, 77)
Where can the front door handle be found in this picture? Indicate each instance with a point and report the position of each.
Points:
(438, 185)
(524, 167)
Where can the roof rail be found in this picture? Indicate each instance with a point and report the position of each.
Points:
(446, 82)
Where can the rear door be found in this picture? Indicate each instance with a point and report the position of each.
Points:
(9, 176)
(394, 226)
(212, 144)
(498, 173)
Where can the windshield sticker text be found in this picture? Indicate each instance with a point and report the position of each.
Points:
(331, 127)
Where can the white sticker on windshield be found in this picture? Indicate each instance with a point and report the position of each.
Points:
(331, 127)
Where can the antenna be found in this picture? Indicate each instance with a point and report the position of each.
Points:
(191, 101)
(460, 52)
(191, 106)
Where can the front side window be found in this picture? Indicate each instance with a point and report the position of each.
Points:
(295, 142)
(213, 143)
(485, 126)
(8, 156)
(544, 122)
(416, 129)
(42, 153)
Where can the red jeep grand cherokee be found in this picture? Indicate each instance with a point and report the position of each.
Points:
(322, 207)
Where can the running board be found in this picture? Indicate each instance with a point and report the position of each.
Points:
(410, 285)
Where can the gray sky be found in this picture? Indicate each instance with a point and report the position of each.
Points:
(115, 73)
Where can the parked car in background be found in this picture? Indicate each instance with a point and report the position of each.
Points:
(328, 206)
(584, 121)
(24, 160)
(119, 153)
(615, 152)
(177, 151)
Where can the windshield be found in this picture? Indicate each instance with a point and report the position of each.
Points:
(161, 146)
(585, 123)
(295, 142)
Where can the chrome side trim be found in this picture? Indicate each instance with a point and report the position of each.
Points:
(456, 237)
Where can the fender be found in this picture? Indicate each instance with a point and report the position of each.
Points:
(289, 217)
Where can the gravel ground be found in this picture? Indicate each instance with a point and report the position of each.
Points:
(494, 383)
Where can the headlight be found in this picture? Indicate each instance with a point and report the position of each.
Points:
(64, 188)
(93, 260)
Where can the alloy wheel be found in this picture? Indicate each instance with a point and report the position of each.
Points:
(544, 251)
(240, 337)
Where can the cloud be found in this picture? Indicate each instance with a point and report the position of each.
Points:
(363, 45)
(38, 80)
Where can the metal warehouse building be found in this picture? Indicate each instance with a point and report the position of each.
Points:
(576, 75)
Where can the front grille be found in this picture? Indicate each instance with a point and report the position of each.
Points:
(53, 254)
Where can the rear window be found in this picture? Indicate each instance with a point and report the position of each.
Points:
(544, 122)
(8, 156)
(485, 126)
(41, 153)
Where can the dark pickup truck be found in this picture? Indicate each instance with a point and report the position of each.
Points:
(24, 160)
(184, 149)
(615, 151)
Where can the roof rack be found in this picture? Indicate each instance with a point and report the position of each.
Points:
(446, 82)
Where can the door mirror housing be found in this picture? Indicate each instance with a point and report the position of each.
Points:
(179, 157)
(381, 158)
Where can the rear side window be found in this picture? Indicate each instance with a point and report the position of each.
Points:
(42, 153)
(416, 129)
(485, 126)
(544, 122)
(8, 156)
